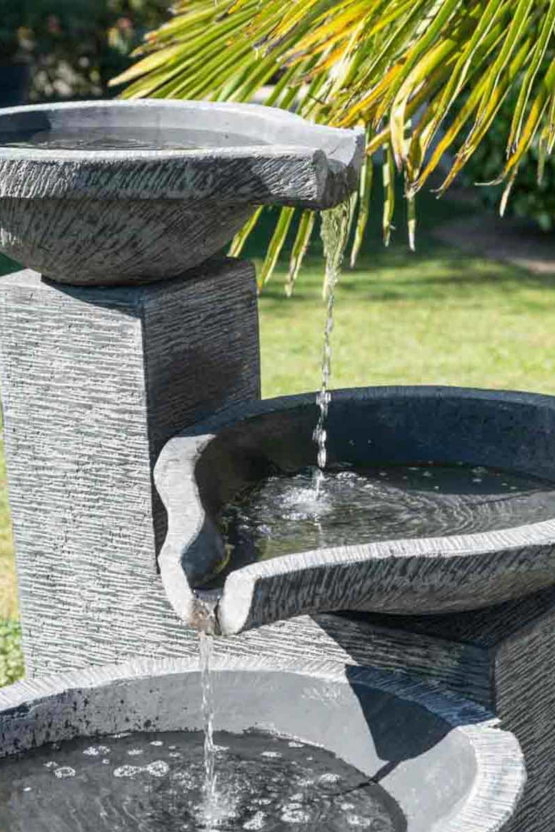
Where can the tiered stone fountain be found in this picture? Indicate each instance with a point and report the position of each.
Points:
(127, 335)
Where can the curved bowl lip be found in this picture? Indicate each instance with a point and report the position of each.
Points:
(268, 114)
(175, 479)
(463, 545)
(500, 769)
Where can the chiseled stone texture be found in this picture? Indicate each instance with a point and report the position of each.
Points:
(108, 217)
(208, 464)
(512, 650)
(94, 381)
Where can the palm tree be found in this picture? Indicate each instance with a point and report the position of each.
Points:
(423, 76)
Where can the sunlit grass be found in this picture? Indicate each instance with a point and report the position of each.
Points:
(435, 318)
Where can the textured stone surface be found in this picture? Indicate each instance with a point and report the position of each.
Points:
(94, 381)
(109, 217)
(443, 760)
(208, 464)
(511, 649)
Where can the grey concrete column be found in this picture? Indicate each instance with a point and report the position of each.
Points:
(94, 382)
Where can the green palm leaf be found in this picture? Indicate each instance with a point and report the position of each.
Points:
(426, 77)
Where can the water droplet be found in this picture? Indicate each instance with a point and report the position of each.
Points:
(135, 752)
(294, 815)
(127, 771)
(359, 822)
(256, 822)
(329, 777)
(158, 768)
(96, 750)
(64, 771)
(157, 743)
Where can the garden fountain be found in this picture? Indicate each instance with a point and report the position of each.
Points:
(423, 664)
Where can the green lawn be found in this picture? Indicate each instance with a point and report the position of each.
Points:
(434, 317)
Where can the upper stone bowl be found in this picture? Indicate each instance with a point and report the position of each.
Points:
(122, 192)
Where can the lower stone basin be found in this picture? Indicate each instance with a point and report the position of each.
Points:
(204, 469)
(442, 764)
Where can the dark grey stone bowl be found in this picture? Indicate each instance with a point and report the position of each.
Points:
(203, 468)
(444, 762)
(116, 216)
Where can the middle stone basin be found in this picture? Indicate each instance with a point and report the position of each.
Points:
(204, 469)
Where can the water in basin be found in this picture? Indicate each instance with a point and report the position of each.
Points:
(125, 139)
(147, 781)
(283, 514)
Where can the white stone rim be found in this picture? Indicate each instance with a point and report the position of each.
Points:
(264, 114)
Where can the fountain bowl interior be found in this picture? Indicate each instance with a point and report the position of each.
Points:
(203, 469)
(444, 762)
(133, 214)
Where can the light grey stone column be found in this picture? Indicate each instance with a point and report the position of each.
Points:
(94, 382)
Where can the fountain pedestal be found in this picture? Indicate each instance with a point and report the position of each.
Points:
(94, 382)
(502, 657)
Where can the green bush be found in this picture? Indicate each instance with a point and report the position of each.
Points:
(76, 46)
(529, 199)
(10, 22)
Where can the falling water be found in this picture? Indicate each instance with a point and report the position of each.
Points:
(334, 233)
(210, 810)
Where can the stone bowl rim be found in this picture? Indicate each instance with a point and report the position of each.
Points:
(486, 809)
(467, 544)
(268, 114)
(175, 476)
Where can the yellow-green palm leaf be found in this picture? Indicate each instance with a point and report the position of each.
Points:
(425, 77)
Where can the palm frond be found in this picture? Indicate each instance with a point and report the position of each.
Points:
(426, 77)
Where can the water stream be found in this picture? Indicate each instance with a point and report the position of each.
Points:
(209, 795)
(334, 232)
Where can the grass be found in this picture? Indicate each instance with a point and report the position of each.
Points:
(434, 317)
(11, 659)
